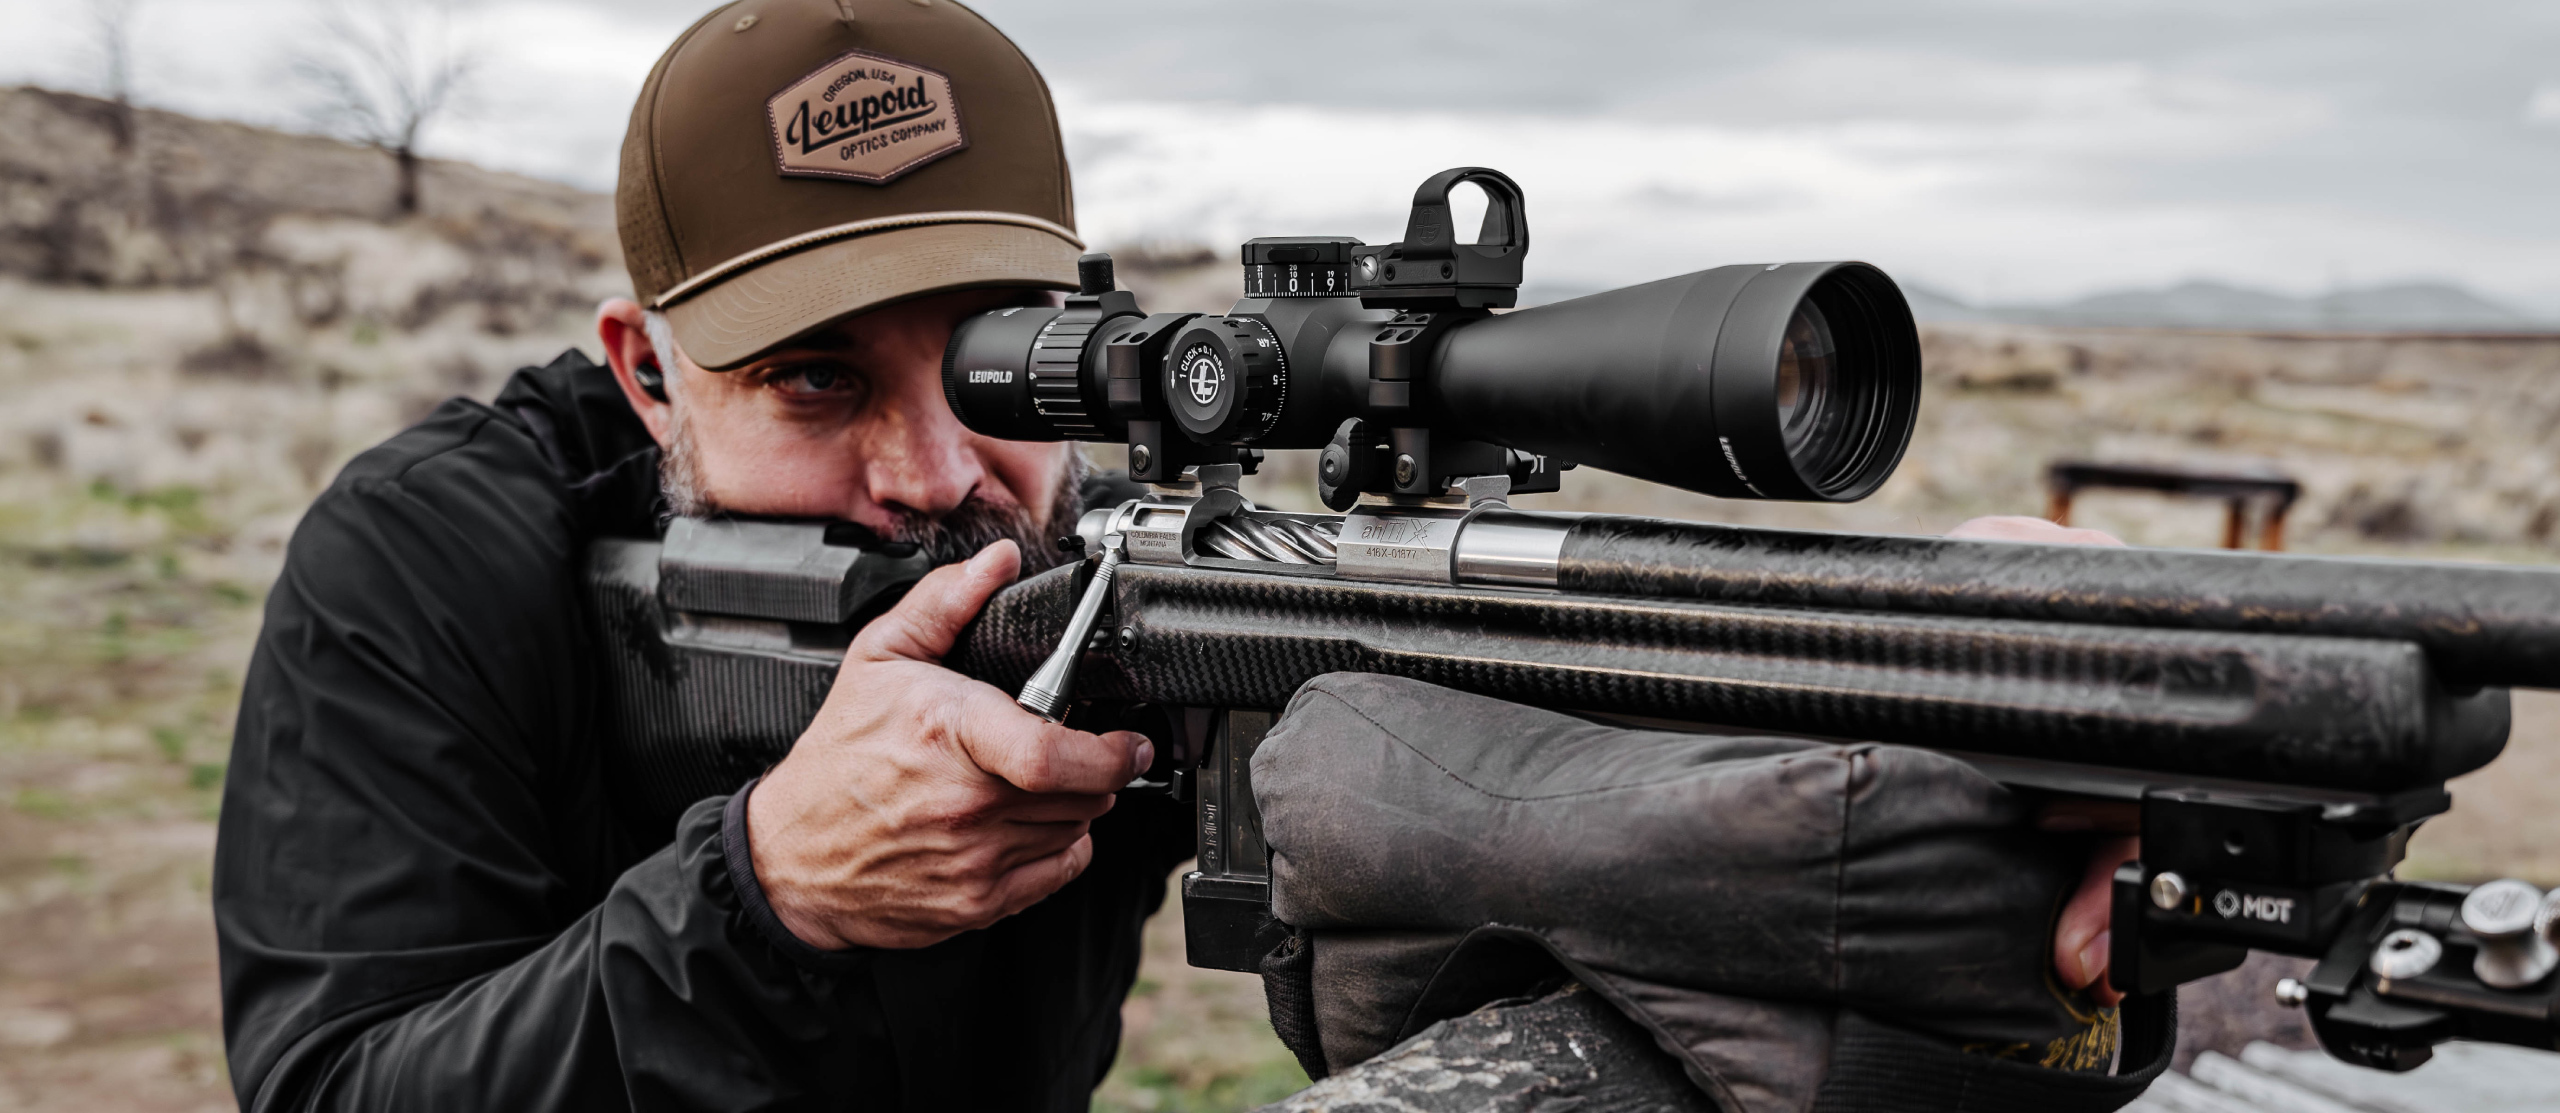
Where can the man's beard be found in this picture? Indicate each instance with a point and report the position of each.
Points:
(949, 539)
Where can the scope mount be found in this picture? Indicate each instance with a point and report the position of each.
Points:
(1432, 283)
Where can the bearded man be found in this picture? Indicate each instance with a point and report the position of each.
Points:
(428, 890)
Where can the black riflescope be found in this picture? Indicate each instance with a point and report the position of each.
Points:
(1775, 381)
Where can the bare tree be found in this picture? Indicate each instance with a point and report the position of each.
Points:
(381, 72)
(111, 21)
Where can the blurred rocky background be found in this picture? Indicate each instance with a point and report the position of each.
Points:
(200, 322)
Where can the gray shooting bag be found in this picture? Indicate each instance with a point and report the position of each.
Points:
(1803, 925)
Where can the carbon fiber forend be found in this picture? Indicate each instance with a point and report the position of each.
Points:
(2336, 713)
(2479, 624)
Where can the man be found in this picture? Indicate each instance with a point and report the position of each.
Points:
(430, 893)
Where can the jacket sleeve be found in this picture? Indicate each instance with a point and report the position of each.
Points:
(420, 898)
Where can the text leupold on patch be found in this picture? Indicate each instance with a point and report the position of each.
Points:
(864, 118)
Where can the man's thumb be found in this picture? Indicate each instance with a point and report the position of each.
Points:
(921, 627)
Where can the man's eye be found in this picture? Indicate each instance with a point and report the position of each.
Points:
(816, 379)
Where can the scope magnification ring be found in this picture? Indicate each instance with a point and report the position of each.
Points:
(1227, 379)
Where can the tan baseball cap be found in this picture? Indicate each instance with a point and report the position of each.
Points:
(791, 162)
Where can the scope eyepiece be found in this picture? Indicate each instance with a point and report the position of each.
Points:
(1772, 381)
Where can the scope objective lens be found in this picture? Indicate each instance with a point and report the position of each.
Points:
(1806, 366)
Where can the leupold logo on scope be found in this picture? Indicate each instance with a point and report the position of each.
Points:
(1203, 375)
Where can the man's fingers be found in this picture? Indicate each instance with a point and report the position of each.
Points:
(2081, 938)
(922, 626)
(1031, 882)
(1035, 755)
(1055, 808)
(2014, 527)
(1030, 842)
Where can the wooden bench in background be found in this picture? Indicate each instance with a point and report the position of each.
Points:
(2238, 488)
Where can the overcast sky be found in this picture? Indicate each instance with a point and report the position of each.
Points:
(1997, 149)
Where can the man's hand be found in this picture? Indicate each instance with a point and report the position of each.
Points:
(2081, 937)
(921, 803)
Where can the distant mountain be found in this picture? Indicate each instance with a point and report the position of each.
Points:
(2414, 306)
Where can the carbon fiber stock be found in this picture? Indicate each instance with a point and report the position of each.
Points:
(2339, 713)
(2479, 624)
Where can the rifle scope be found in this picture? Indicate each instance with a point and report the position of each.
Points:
(1773, 381)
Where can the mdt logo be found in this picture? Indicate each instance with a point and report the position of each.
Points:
(2233, 905)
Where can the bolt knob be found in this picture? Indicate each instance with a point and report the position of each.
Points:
(2502, 915)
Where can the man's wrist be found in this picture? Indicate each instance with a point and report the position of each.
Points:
(737, 836)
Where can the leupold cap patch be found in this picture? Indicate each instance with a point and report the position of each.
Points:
(865, 118)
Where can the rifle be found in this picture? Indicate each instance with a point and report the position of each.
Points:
(2283, 722)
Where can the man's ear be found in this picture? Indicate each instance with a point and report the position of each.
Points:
(638, 368)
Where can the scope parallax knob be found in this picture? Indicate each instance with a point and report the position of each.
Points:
(2502, 915)
(1227, 379)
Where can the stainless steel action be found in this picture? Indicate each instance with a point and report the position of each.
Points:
(1487, 544)
(1278, 540)
(1242, 538)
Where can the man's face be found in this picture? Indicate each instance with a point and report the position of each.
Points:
(848, 424)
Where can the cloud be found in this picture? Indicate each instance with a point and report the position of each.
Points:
(2543, 107)
(1995, 149)
(1984, 209)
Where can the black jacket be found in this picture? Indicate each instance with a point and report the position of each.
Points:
(427, 898)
